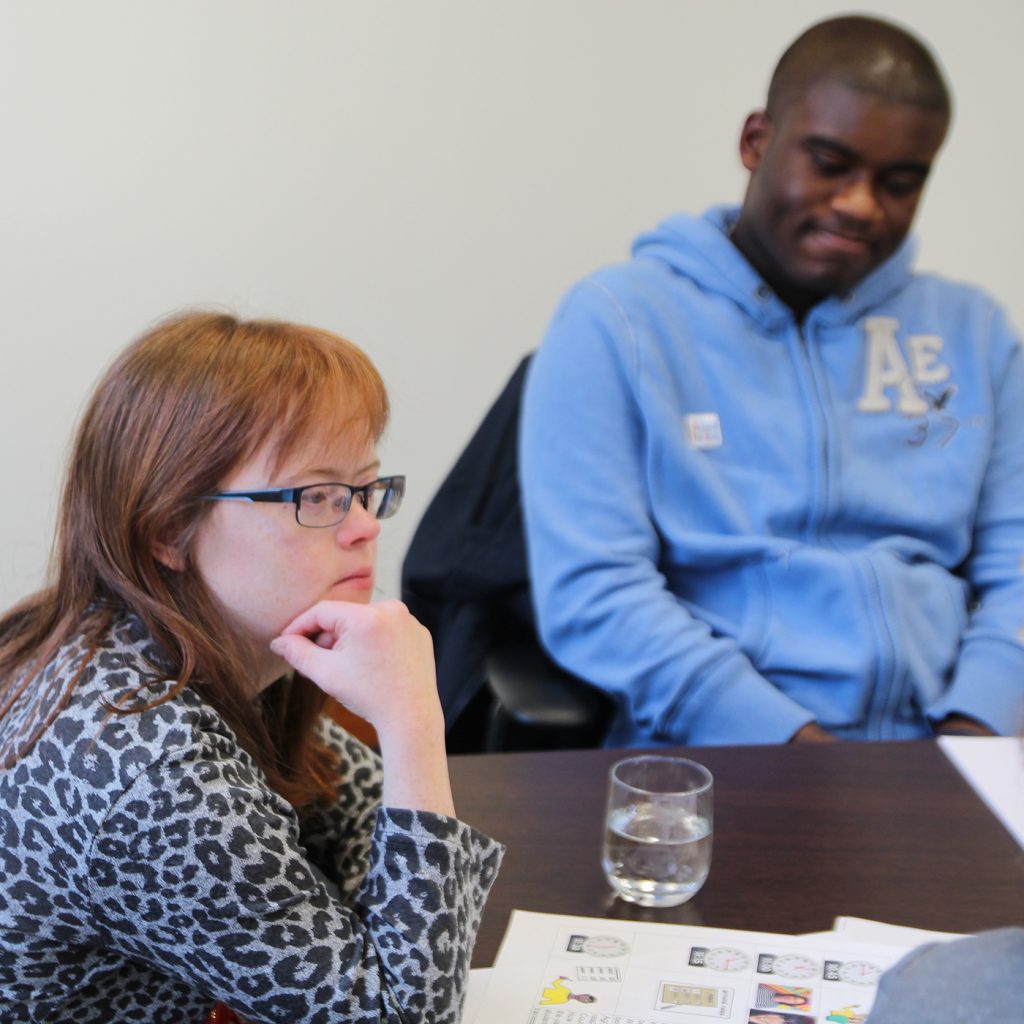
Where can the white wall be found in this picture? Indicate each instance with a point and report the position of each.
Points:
(425, 177)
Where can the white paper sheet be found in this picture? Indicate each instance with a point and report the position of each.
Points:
(553, 969)
(860, 929)
(479, 978)
(994, 766)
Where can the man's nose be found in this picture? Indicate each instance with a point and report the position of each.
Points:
(857, 200)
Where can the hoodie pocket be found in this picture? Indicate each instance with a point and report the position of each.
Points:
(927, 610)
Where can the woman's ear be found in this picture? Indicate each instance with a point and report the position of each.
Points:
(169, 556)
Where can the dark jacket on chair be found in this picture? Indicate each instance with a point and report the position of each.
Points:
(465, 574)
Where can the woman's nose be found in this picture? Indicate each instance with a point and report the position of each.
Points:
(359, 524)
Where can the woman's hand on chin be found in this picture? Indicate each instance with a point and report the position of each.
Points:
(378, 661)
(375, 659)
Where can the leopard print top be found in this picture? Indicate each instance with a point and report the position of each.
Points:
(147, 871)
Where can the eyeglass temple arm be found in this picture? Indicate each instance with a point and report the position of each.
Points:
(277, 497)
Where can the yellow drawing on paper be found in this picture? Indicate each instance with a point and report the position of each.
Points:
(557, 993)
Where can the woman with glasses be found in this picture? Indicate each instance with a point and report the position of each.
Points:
(180, 826)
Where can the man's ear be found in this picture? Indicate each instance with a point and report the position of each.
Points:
(757, 131)
(169, 556)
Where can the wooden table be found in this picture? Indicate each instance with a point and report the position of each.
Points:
(803, 833)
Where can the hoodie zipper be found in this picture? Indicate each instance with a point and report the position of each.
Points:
(820, 489)
(882, 690)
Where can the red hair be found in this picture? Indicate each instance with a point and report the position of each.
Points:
(177, 411)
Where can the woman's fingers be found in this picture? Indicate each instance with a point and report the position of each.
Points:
(337, 617)
(379, 662)
(324, 616)
(376, 659)
(302, 654)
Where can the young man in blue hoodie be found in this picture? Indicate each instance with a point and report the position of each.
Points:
(773, 479)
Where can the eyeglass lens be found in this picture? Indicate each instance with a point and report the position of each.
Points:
(327, 504)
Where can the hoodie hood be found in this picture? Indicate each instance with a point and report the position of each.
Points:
(700, 248)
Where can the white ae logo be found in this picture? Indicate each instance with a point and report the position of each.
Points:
(886, 368)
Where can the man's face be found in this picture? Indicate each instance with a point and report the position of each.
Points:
(835, 181)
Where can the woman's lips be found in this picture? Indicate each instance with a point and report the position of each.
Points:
(361, 580)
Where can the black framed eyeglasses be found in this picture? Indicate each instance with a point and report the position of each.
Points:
(319, 505)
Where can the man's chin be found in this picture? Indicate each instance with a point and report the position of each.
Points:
(822, 282)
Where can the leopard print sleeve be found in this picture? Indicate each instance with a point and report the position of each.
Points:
(199, 874)
(338, 837)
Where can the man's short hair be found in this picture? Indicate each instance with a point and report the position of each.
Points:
(866, 54)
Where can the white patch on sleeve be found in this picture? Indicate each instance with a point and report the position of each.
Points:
(704, 430)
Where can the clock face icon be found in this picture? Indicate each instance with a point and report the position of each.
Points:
(795, 965)
(859, 972)
(604, 945)
(725, 958)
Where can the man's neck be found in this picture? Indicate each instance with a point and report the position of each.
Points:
(799, 300)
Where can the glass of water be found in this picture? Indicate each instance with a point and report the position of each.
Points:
(657, 835)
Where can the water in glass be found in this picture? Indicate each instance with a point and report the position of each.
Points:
(655, 858)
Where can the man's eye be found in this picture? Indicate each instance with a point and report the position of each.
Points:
(828, 165)
(903, 185)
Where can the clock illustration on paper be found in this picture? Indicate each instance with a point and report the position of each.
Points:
(604, 945)
(795, 965)
(859, 972)
(725, 958)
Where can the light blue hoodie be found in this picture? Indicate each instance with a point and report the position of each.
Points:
(738, 524)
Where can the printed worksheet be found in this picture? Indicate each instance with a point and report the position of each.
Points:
(553, 969)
